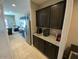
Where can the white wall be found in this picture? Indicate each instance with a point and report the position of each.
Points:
(10, 20)
(66, 27)
(34, 7)
(73, 31)
(17, 18)
(4, 40)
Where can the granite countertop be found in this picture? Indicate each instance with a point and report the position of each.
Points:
(50, 38)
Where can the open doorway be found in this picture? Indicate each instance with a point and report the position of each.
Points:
(17, 18)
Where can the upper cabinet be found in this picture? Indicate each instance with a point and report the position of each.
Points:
(57, 15)
(52, 16)
(43, 17)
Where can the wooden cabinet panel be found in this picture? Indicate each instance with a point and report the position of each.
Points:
(35, 41)
(38, 43)
(50, 50)
(57, 15)
(41, 45)
(43, 17)
(52, 16)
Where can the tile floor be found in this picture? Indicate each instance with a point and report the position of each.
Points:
(21, 50)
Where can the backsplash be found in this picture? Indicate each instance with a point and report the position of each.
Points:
(55, 32)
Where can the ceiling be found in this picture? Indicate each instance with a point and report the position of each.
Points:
(21, 6)
(39, 1)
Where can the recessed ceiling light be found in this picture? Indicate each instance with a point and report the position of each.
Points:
(13, 5)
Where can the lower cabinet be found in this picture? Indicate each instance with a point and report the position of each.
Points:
(50, 50)
(38, 43)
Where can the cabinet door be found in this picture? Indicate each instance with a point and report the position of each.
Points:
(35, 41)
(51, 51)
(41, 45)
(48, 49)
(43, 17)
(61, 12)
(38, 43)
(57, 15)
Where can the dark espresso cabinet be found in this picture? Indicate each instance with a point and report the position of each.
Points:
(57, 15)
(43, 17)
(48, 49)
(52, 16)
(51, 51)
(38, 43)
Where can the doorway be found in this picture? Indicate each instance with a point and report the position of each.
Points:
(17, 18)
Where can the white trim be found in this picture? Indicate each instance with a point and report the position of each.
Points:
(72, 52)
(66, 26)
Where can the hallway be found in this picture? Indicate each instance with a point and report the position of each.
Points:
(22, 50)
